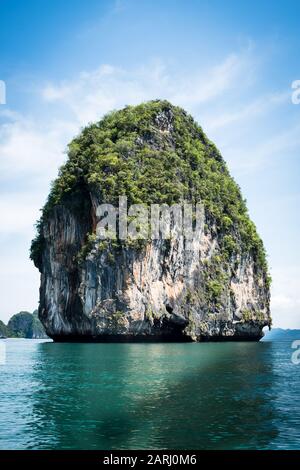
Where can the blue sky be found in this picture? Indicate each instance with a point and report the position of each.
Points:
(230, 64)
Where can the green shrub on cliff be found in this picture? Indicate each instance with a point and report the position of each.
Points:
(155, 153)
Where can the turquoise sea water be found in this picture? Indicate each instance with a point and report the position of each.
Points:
(151, 396)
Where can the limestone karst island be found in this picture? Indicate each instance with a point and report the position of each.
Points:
(96, 289)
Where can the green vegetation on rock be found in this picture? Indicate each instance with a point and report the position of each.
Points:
(156, 153)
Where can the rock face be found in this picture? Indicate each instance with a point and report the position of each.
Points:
(213, 288)
(4, 331)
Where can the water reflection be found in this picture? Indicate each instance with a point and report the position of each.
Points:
(105, 396)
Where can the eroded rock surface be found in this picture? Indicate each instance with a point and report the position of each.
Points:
(216, 288)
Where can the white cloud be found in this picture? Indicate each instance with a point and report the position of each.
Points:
(31, 150)
(285, 304)
(251, 110)
(235, 71)
(19, 280)
(263, 152)
(32, 147)
(18, 214)
(94, 93)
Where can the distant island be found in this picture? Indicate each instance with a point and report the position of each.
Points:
(279, 334)
(23, 325)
